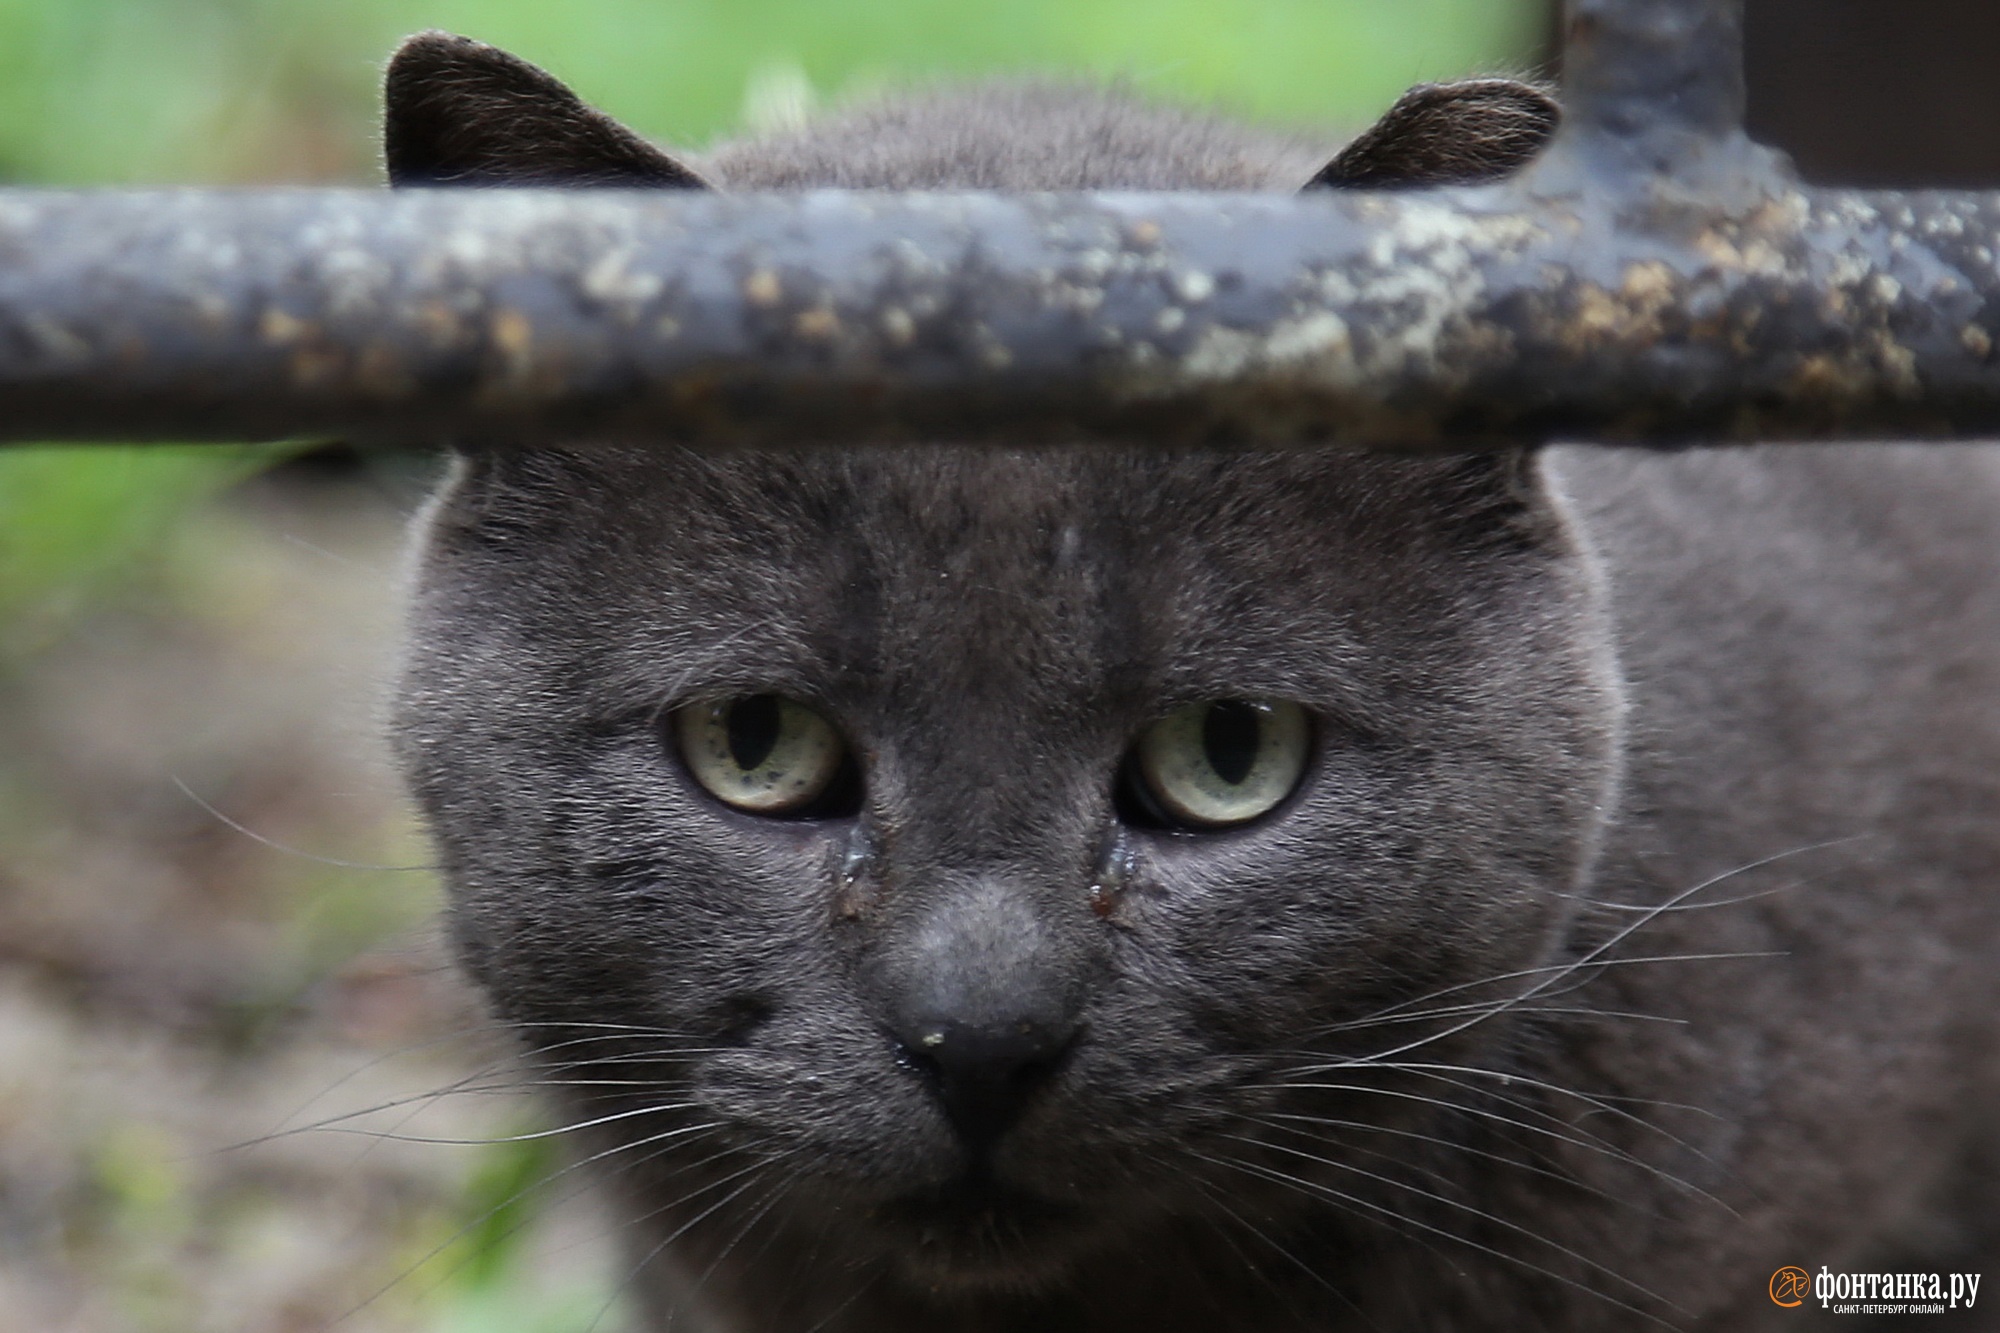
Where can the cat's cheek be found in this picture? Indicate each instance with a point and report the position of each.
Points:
(842, 1112)
(1267, 939)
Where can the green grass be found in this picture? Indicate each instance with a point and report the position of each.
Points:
(77, 524)
(124, 91)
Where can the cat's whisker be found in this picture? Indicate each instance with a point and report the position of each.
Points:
(1317, 1189)
(867, 1285)
(1678, 904)
(1598, 1103)
(1563, 1134)
(1428, 1172)
(1647, 914)
(620, 1150)
(758, 1161)
(770, 1233)
(1557, 1129)
(1590, 961)
(645, 1260)
(1653, 913)
(1450, 1011)
(466, 1084)
(646, 1056)
(1605, 1102)
(380, 1060)
(648, 1141)
(1471, 1210)
(1608, 1103)
(1595, 1102)
(491, 1069)
(812, 1260)
(1605, 905)
(297, 853)
(585, 1185)
(495, 1210)
(757, 1214)
(1277, 1121)
(338, 1128)
(462, 1033)
(1555, 972)
(580, 1025)
(1330, 1199)
(616, 1044)
(420, 1101)
(1215, 1200)
(569, 1081)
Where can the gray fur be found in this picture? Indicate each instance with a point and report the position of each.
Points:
(1551, 693)
(1021, 135)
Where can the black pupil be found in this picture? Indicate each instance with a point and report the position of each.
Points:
(1229, 736)
(753, 729)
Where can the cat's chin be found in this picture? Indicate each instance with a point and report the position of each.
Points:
(969, 1239)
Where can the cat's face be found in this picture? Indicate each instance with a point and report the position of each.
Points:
(989, 995)
(955, 850)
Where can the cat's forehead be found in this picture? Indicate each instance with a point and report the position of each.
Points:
(948, 571)
(972, 502)
(1027, 529)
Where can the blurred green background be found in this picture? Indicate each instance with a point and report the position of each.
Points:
(193, 648)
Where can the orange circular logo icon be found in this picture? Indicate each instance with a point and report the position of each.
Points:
(1789, 1286)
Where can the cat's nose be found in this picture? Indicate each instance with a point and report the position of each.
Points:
(985, 1075)
(984, 996)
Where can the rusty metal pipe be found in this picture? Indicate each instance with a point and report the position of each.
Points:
(1654, 279)
(1452, 318)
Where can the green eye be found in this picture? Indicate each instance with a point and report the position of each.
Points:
(760, 752)
(1224, 762)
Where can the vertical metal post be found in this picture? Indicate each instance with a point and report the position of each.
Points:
(1658, 78)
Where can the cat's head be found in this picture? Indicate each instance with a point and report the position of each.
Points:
(989, 837)
(460, 112)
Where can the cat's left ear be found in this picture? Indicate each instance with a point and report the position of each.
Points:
(1499, 500)
(460, 112)
(1447, 134)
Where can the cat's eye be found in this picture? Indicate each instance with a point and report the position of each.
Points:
(1222, 762)
(764, 753)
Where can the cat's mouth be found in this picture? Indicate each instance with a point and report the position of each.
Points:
(978, 1233)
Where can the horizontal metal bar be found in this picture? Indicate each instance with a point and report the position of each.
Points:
(1515, 313)
(1656, 278)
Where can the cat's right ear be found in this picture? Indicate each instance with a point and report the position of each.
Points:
(1465, 133)
(460, 112)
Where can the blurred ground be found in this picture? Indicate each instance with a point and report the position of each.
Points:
(173, 987)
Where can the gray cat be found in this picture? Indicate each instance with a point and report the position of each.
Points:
(1108, 889)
